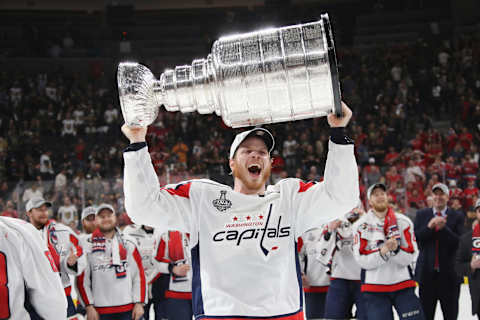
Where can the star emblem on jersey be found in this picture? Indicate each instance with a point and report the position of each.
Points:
(222, 203)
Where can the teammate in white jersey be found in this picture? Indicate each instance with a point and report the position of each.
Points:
(243, 240)
(146, 242)
(27, 268)
(62, 243)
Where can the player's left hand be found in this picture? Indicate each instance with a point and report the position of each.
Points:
(72, 258)
(335, 121)
(137, 311)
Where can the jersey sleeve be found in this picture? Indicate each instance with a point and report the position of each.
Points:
(139, 282)
(43, 284)
(73, 243)
(368, 257)
(146, 203)
(318, 203)
(160, 260)
(408, 250)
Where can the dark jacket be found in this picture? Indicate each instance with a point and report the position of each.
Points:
(464, 256)
(448, 239)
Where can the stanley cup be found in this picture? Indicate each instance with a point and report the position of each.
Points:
(267, 76)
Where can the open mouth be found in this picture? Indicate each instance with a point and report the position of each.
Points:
(254, 169)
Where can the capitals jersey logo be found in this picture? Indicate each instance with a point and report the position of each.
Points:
(222, 203)
(238, 237)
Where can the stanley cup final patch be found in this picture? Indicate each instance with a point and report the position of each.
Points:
(222, 203)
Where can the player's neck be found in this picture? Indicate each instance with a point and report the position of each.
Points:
(109, 234)
(380, 214)
(439, 209)
(242, 188)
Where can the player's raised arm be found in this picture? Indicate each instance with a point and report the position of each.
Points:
(318, 203)
(146, 203)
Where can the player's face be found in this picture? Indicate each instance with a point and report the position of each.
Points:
(440, 199)
(106, 220)
(252, 164)
(379, 200)
(89, 224)
(39, 216)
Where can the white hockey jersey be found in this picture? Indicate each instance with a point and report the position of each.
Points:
(60, 238)
(174, 250)
(379, 273)
(243, 247)
(113, 280)
(26, 263)
(336, 252)
(315, 272)
(146, 243)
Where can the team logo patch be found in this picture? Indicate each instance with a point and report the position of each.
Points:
(222, 203)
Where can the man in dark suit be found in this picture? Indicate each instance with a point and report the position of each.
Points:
(438, 231)
(468, 260)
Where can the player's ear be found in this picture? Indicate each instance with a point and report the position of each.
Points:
(231, 163)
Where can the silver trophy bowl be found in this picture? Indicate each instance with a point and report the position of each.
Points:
(266, 76)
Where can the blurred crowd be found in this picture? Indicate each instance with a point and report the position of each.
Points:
(416, 121)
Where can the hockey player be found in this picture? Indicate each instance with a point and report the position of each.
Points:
(113, 285)
(145, 241)
(173, 250)
(27, 272)
(88, 221)
(63, 244)
(385, 248)
(243, 240)
(314, 274)
(336, 251)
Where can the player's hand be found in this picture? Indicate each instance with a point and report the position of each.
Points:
(391, 244)
(305, 283)
(333, 225)
(335, 121)
(134, 134)
(181, 270)
(72, 258)
(92, 314)
(137, 311)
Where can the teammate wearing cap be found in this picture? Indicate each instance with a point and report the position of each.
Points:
(63, 244)
(243, 240)
(385, 247)
(468, 260)
(438, 231)
(27, 273)
(88, 221)
(113, 285)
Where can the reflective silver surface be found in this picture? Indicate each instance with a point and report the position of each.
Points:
(266, 76)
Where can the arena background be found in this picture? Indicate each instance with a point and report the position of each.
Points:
(409, 70)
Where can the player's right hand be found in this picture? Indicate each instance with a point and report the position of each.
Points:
(92, 314)
(134, 134)
(181, 270)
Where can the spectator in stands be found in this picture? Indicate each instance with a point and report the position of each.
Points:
(371, 173)
(438, 230)
(290, 153)
(67, 213)
(34, 191)
(181, 150)
(9, 210)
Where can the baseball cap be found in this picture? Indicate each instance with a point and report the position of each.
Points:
(477, 204)
(88, 211)
(373, 187)
(262, 133)
(104, 206)
(441, 186)
(37, 202)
